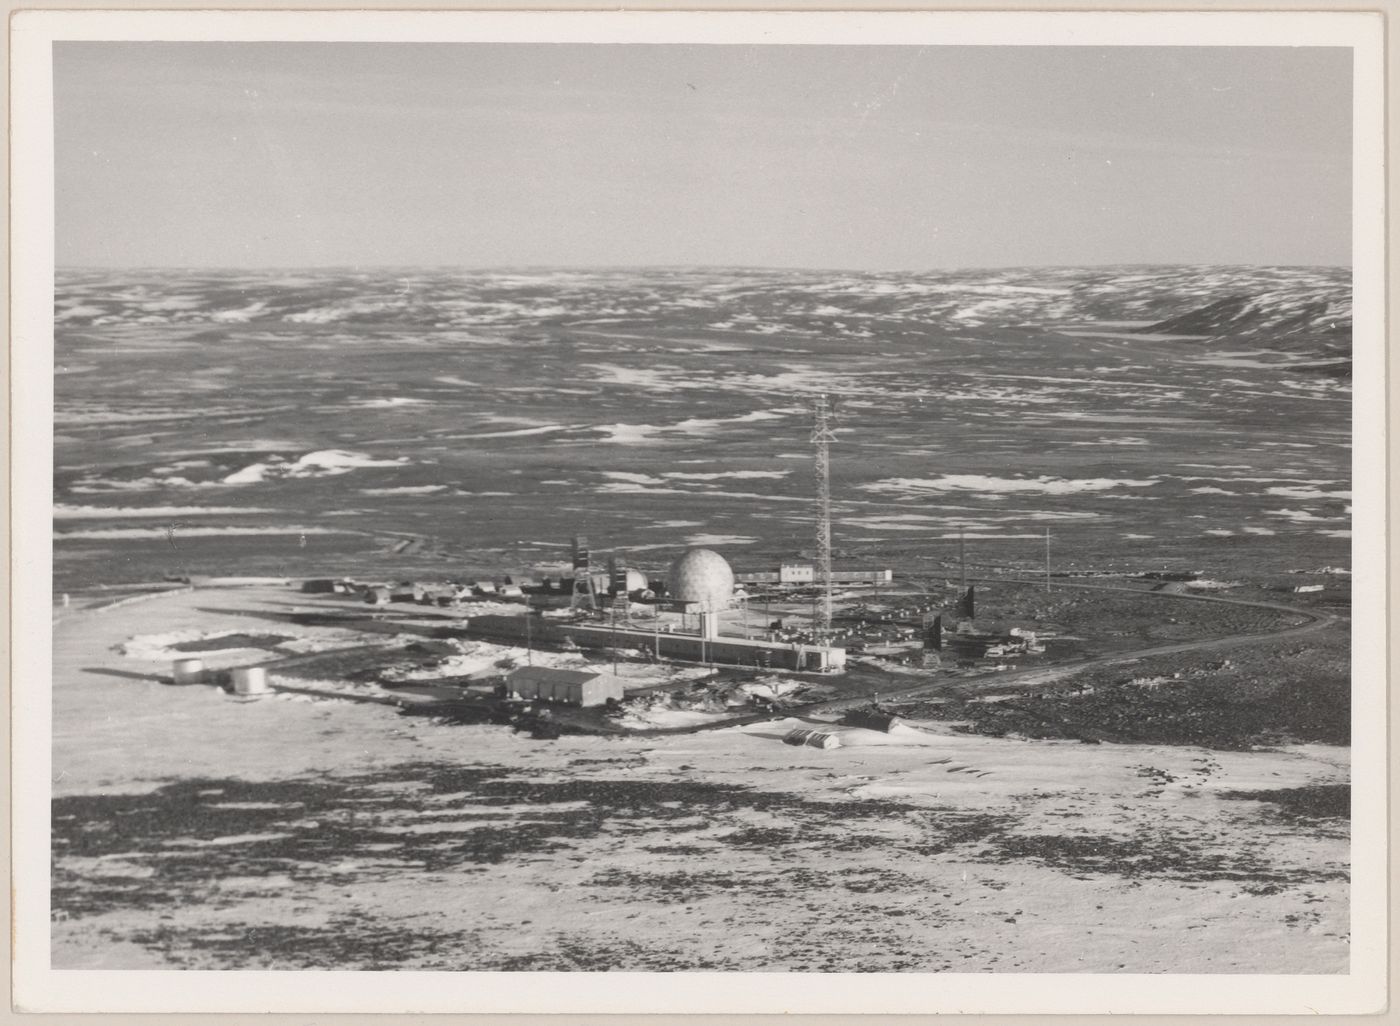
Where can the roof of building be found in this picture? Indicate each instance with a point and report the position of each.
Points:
(553, 675)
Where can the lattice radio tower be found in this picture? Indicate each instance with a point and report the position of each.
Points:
(823, 410)
(583, 594)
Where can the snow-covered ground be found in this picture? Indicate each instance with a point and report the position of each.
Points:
(280, 834)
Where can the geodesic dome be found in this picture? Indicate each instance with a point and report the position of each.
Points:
(701, 576)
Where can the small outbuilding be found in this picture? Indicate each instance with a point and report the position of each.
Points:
(566, 687)
(812, 738)
(871, 719)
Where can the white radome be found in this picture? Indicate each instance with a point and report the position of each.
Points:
(701, 576)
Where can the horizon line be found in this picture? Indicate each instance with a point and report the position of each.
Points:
(536, 267)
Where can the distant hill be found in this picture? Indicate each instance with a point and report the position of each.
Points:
(1276, 314)
(1299, 308)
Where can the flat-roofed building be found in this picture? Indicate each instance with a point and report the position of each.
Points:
(796, 573)
(566, 687)
(805, 573)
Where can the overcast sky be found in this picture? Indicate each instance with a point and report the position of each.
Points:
(295, 154)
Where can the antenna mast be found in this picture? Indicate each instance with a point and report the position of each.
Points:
(822, 437)
(583, 594)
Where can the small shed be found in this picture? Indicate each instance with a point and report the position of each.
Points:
(812, 738)
(567, 687)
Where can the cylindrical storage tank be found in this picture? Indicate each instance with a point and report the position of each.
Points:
(188, 671)
(250, 680)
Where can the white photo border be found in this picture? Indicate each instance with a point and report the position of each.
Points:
(37, 987)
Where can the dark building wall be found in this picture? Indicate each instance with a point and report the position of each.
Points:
(671, 646)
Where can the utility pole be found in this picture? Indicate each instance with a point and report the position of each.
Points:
(962, 562)
(614, 634)
(1047, 559)
(822, 438)
(529, 640)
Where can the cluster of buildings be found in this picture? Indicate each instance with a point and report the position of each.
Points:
(446, 594)
(593, 609)
(700, 585)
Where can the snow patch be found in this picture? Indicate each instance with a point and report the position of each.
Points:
(1298, 516)
(405, 490)
(986, 484)
(390, 403)
(190, 532)
(741, 475)
(63, 511)
(1306, 493)
(322, 463)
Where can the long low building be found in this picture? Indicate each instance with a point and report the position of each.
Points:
(687, 647)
